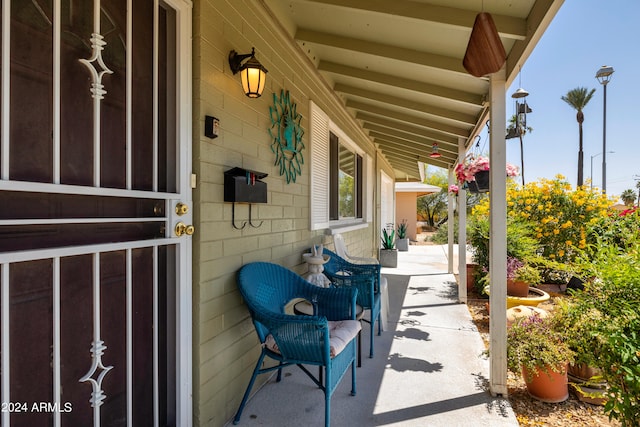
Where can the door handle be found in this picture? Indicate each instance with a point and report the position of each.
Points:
(181, 229)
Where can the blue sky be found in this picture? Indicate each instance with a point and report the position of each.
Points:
(584, 35)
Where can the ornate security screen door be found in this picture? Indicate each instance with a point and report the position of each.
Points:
(95, 213)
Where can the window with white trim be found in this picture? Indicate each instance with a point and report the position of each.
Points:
(345, 181)
(337, 175)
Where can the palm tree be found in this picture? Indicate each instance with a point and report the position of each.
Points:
(578, 98)
(628, 197)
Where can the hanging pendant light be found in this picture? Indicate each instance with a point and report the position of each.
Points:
(434, 152)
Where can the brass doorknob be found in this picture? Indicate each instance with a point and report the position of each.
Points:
(181, 229)
(182, 209)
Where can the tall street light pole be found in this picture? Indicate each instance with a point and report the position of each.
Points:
(596, 155)
(604, 76)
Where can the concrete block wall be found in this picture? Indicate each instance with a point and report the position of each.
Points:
(225, 346)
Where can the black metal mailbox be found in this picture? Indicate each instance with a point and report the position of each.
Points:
(244, 186)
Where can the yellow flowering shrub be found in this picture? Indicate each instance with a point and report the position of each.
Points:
(559, 215)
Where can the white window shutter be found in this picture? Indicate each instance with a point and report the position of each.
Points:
(319, 168)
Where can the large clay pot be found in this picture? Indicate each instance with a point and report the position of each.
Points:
(471, 276)
(584, 372)
(547, 385)
(517, 288)
(588, 383)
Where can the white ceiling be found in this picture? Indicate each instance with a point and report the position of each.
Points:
(397, 65)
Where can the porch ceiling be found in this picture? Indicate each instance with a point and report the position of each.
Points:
(397, 65)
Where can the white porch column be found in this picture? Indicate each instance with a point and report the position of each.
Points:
(451, 222)
(462, 232)
(498, 235)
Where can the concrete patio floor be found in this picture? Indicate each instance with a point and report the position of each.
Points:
(427, 370)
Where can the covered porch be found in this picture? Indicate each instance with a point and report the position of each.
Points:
(428, 368)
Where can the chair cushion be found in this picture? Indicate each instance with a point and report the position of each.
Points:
(341, 332)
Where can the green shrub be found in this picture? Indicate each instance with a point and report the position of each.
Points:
(520, 243)
(603, 325)
(441, 236)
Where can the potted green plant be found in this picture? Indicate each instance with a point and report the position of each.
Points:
(585, 335)
(520, 276)
(388, 252)
(537, 349)
(402, 241)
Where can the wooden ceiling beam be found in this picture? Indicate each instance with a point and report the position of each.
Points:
(392, 149)
(401, 82)
(439, 62)
(508, 26)
(463, 118)
(434, 126)
(414, 139)
(406, 127)
(412, 143)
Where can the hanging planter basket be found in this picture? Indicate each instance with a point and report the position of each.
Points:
(472, 186)
(482, 181)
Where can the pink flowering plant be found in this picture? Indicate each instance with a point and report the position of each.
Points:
(453, 189)
(513, 265)
(465, 172)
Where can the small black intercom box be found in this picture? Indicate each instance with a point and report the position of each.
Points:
(244, 186)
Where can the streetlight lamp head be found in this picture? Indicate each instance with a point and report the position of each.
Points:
(520, 93)
(604, 74)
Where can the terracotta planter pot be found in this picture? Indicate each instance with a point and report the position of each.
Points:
(471, 276)
(587, 386)
(517, 288)
(546, 385)
(584, 372)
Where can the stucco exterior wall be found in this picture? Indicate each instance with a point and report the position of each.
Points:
(225, 346)
(407, 209)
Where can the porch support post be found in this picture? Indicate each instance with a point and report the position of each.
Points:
(451, 222)
(462, 231)
(498, 235)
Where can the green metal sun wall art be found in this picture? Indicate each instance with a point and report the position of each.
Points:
(286, 133)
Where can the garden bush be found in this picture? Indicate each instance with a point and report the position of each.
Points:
(603, 324)
(441, 237)
(563, 222)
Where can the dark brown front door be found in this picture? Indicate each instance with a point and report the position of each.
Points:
(91, 286)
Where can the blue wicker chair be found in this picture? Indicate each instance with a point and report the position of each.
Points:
(364, 277)
(267, 289)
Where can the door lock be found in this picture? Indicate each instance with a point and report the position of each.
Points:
(182, 209)
(181, 229)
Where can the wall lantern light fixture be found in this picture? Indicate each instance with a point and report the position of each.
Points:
(252, 73)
